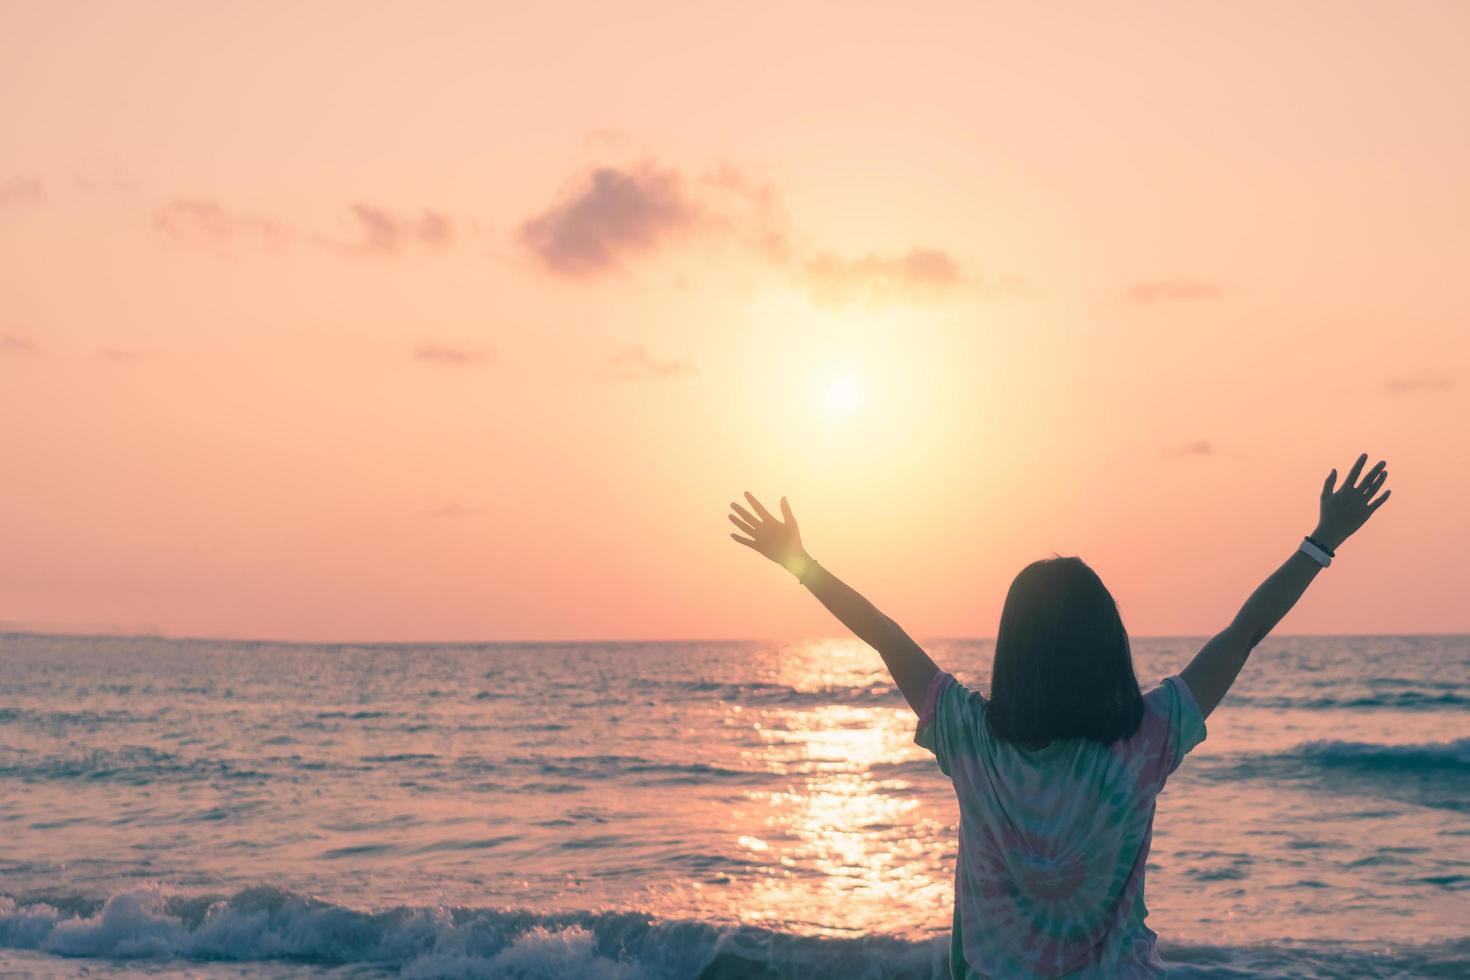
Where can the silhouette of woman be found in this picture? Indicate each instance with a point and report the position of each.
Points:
(1058, 770)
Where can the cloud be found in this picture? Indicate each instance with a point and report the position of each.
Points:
(1200, 447)
(437, 353)
(1426, 379)
(918, 275)
(614, 213)
(1171, 291)
(758, 215)
(381, 232)
(635, 363)
(17, 346)
(21, 190)
(203, 223)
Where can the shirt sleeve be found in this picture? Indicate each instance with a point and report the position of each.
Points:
(948, 719)
(1183, 723)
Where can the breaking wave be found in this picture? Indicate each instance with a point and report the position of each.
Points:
(426, 943)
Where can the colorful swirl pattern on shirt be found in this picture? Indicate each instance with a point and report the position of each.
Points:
(1053, 841)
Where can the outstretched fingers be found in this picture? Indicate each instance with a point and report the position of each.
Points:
(745, 541)
(742, 525)
(1350, 483)
(1382, 499)
(759, 509)
(786, 512)
(745, 515)
(1330, 482)
(1373, 476)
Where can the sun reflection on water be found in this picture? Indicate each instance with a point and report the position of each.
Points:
(847, 839)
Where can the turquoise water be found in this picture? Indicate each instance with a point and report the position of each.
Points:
(724, 810)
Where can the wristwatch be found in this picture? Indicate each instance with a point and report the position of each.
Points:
(1314, 550)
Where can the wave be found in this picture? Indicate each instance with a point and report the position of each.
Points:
(420, 943)
(1447, 758)
(1402, 700)
(1432, 774)
(134, 764)
(1418, 697)
(1452, 756)
(142, 765)
(266, 923)
(1421, 697)
(762, 692)
(62, 720)
(1447, 761)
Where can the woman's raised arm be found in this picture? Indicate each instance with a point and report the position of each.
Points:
(780, 541)
(1341, 512)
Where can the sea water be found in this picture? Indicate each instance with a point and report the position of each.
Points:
(185, 808)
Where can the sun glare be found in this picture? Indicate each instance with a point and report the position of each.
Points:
(844, 395)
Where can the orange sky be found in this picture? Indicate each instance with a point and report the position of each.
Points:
(432, 321)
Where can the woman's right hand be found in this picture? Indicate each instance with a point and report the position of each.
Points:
(1345, 509)
(778, 540)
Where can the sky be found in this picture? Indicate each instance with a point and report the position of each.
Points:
(465, 322)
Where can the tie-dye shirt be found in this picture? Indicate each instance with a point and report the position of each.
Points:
(1053, 841)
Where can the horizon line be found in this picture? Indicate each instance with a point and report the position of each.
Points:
(6, 632)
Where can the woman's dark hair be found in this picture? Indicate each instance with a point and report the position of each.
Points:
(1063, 667)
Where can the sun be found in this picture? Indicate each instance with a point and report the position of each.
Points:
(844, 395)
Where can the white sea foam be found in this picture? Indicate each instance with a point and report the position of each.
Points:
(433, 942)
(264, 925)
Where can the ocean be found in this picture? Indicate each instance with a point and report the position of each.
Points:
(640, 811)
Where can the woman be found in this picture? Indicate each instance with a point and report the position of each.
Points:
(1058, 770)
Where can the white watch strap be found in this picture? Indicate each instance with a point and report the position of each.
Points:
(1315, 553)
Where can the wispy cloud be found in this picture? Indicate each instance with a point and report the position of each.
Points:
(1426, 379)
(1200, 447)
(1171, 291)
(200, 222)
(617, 213)
(380, 232)
(449, 354)
(14, 345)
(918, 275)
(751, 210)
(635, 363)
(611, 214)
(21, 190)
